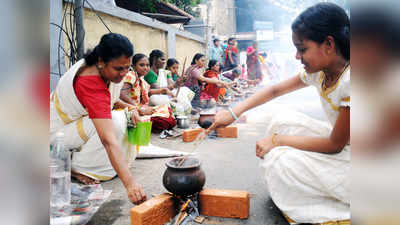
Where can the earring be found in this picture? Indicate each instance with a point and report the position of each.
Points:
(99, 67)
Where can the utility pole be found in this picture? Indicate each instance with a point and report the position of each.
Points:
(80, 31)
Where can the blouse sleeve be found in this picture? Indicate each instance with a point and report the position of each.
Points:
(305, 77)
(151, 77)
(345, 95)
(95, 97)
(130, 78)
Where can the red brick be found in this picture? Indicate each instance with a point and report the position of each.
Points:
(155, 211)
(191, 134)
(225, 203)
(228, 132)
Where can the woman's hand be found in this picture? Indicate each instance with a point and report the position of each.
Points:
(222, 119)
(169, 92)
(136, 193)
(263, 146)
(171, 86)
(134, 117)
(222, 84)
(146, 110)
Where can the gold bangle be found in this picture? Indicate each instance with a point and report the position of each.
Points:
(274, 143)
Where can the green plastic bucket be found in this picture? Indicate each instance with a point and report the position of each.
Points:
(140, 135)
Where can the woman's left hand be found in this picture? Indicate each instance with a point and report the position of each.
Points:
(134, 117)
(263, 146)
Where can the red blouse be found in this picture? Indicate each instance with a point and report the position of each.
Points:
(93, 94)
(211, 89)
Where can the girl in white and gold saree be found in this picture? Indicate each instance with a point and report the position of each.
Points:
(306, 163)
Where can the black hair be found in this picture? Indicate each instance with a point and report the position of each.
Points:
(154, 55)
(111, 46)
(171, 62)
(212, 63)
(230, 39)
(136, 58)
(322, 20)
(196, 57)
(236, 71)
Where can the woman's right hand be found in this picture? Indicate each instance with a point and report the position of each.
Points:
(169, 92)
(135, 193)
(223, 118)
(222, 84)
(146, 110)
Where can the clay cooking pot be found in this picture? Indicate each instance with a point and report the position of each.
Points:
(186, 179)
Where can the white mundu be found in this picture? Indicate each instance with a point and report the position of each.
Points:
(311, 187)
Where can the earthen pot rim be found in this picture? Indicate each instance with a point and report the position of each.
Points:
(173, 163)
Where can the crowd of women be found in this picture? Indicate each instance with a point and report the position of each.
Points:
(306, 162)
(111, 87)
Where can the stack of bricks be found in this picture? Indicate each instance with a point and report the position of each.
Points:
(212, 202)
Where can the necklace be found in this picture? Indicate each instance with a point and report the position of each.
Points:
(337, 78)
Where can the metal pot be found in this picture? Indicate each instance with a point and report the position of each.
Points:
(186, 179)
(182, 122)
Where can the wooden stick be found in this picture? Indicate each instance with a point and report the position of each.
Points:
(183, 73)
(199, 139)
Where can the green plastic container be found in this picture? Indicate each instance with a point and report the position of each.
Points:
(140, 135)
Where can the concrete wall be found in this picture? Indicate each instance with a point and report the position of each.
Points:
(223, 17)
(144, 38)
(145, 33)
(187, 48)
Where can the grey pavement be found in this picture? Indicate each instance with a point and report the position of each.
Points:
(228, 164)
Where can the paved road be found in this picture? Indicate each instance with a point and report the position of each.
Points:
(228, 164)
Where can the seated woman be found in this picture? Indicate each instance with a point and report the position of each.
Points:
(135, 91)
(81, 108)
(172, 70)
(212, 91)
(159, 80)
(231, 78)
(194, 76)
(307, 162)
(183, 94)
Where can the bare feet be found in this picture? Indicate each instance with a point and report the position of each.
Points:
(84, 179)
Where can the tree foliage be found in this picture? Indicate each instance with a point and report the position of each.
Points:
(186, 5)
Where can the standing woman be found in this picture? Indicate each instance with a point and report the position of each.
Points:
(81, 107)
(253, 63)
(194, 76)
(158, 79)
(307, 162)
(231, 55)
